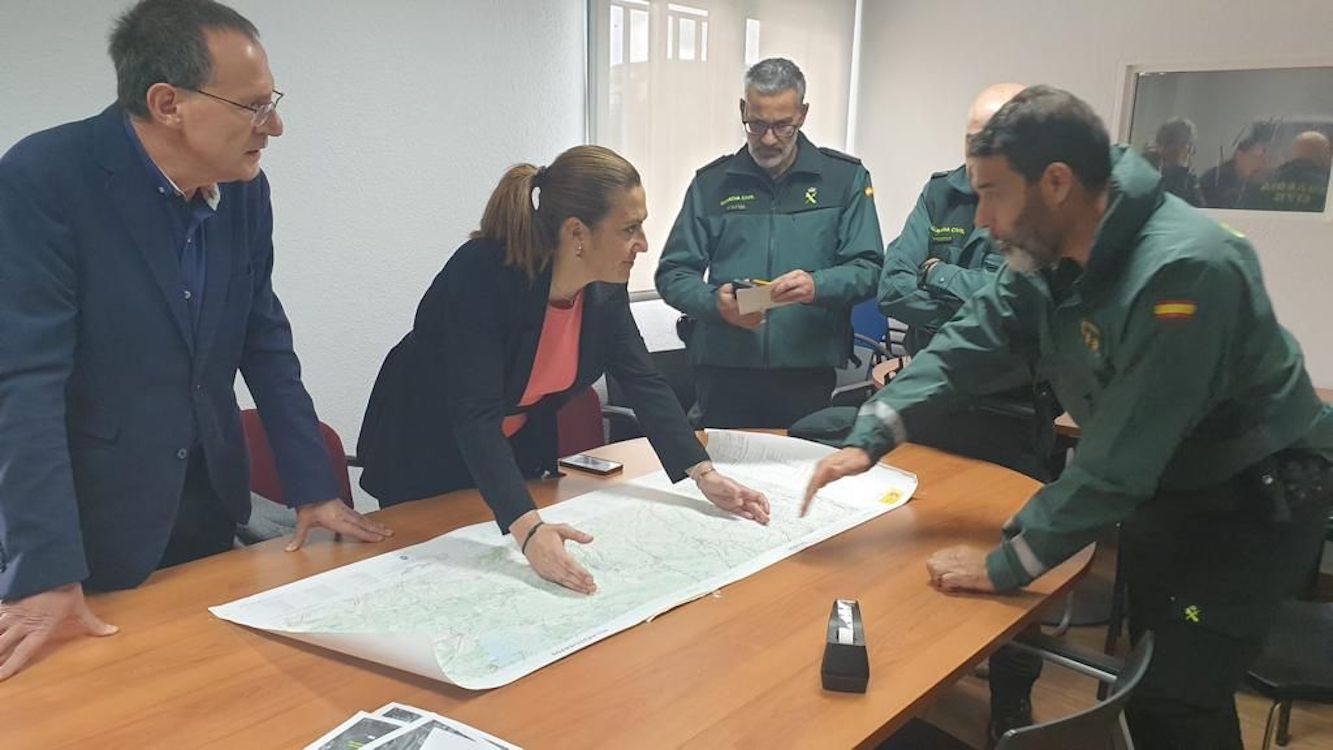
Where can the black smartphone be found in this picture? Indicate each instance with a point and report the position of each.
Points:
(584, 462)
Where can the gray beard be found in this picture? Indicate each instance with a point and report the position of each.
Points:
(769, 162)
(1023, 260)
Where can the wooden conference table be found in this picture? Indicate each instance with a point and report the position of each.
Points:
(736, 670)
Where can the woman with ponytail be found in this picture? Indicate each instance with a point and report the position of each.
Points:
(525, 316)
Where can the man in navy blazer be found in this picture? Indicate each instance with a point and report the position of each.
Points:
(135, 281)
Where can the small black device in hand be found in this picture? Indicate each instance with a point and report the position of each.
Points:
(846, 666)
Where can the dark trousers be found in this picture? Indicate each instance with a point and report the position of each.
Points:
(1013, 672)
(736, 397)
(1205, 573)
(203, 527)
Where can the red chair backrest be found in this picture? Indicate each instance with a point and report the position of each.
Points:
(578, 424)
(264, 471)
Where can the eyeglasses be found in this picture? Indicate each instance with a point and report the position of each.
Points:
(260, 113)
(757, 128)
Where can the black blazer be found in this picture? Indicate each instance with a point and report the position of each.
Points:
(433, 421)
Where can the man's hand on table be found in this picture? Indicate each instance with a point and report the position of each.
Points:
(335, 516)
(833, 467)
(27, 623)
(959, 568)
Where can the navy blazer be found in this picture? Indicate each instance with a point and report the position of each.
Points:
(105, 386)
(433, 423)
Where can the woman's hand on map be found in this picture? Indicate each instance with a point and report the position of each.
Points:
(545, 549)
(732, 496)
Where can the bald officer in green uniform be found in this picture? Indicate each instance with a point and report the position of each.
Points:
(779, 210)
(941, 260)
(1300, 184)
(1201, 432)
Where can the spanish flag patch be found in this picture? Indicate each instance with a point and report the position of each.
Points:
(1175, 309)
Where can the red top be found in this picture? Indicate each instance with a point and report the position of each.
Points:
(557, 360)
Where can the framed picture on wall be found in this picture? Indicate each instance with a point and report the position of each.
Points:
(1250, 139)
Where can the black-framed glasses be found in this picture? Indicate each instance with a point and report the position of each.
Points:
(757, 128)
(260, 113)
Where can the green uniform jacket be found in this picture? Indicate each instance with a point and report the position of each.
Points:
(1164, 349)
(739, 223)
(939, 227)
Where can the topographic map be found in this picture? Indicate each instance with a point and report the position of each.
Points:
(466, 607)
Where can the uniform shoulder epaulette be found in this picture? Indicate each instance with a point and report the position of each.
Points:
(940, 175)
(719, 160)
(836, 154)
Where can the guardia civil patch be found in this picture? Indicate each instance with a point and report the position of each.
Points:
(737, 202)
(1175, 309)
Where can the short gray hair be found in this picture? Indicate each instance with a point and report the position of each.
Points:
(775, 75)
(163, 41)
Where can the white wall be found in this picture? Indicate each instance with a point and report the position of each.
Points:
(400, 117)
(924, 60)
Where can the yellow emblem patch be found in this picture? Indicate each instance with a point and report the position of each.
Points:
(1092, 336)
(1175, 309)
(812, 195)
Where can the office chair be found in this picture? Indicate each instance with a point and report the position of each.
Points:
(870, 334)
(674, 365)
(1296, 664)
(1098, 727)
(264, 479)
(579, 425)
(1103, 725)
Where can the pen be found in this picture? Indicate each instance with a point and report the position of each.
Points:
(744, 283)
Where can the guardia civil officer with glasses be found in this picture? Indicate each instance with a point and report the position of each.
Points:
(780, 211)
(135, 261)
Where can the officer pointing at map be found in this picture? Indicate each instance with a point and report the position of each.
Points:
(1201, 432)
